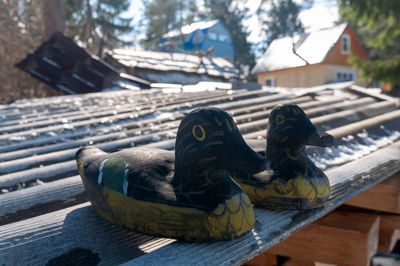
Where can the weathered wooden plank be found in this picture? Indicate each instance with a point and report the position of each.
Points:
(365, 91)
(100, 111)
(58, 232)
(102, 127)
(385, 196)
(343, 105)
(339, 237)
(25, 203)
(150, 111)
(34, 109)
(354, 127)
(149, 125)
(45, 155)
(346, 129)
(53, 169)
(342, 117)
(37, 240)
(49, 172)
(357, 114)
(259, 119)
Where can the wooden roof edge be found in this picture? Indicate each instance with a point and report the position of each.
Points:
(371, 170)
(362, 91)
(273, 226)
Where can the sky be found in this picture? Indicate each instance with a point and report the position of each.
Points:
(323, 14)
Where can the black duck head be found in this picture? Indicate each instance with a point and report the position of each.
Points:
(290, 126)
(208, 139)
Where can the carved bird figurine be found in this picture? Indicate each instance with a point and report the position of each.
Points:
(292, 181)
(186, 195)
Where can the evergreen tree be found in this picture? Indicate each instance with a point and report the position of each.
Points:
(378, 23)
(229, 13)
(163, 16)
(96, 23)
(280, 19)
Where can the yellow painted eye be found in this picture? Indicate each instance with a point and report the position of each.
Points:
(280, 119)
(203, 133)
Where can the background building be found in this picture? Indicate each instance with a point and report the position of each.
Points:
(312, 59)
(204, 37)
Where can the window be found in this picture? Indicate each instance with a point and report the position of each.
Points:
(223, 38)
(213, 35)
(270, 82)
(344, 76)
(345, 44)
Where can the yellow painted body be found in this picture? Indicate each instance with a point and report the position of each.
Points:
(297, 193)
(226, 222)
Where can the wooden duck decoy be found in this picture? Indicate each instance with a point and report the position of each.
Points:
(292, 181)
(186, 195)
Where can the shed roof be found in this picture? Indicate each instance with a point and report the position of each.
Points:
(187, 29)
(66, 66)
(45, 212)
(312, 47)
(173, 67)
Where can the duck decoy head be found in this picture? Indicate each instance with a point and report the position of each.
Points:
(288, 124)
(208, 138)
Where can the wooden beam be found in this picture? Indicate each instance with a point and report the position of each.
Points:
(296, 262)
(339, 237)
(384, 196)
(389, 232)
(264, 259)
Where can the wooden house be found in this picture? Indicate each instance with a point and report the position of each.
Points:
(203, 36)
(311, 59)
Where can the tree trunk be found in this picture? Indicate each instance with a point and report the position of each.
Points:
(54, 17)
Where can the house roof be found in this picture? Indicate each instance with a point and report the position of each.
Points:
(65, 66)
(187, 29)
(173, 67)
(312, 47)
(45, 212)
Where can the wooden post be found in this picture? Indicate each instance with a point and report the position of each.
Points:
(339, 237)
(389, 232)
(264, 259)
(384, 196)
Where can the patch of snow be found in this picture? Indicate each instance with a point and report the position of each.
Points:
(353, 148)
(163, 115)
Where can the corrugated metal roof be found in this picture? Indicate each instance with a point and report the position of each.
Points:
(42, 216)
(313, 47)
(172, 67)
(187, 29)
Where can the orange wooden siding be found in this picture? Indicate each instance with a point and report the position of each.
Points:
(318, 74)
(336, 56)
(305, 76)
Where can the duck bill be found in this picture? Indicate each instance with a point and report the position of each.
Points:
(319, 138)
(239, 157)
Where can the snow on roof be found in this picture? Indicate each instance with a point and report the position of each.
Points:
(312, 47)
(187, 29)
(186, 64)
